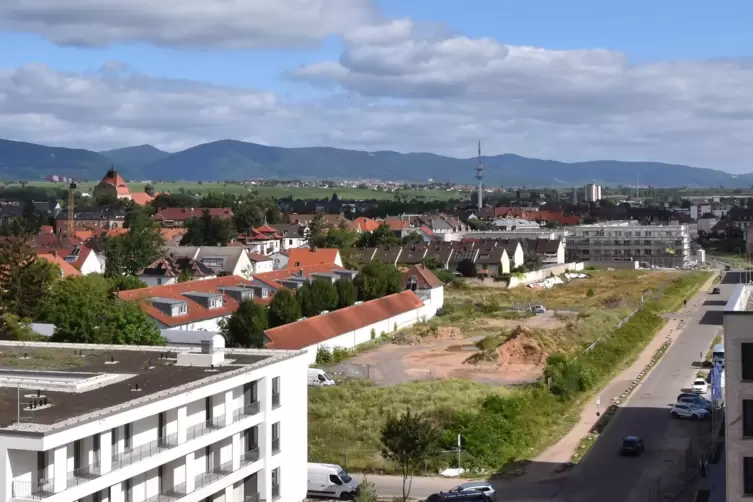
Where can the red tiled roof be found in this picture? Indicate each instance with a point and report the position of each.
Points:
(301, 334)
(397, 224)
(141, 198)
(365, 224)
(196, 311)
(258, 257)
(46, 229)
(304, 257)
(182, 214)
(113, 178)
(425, 277)
(66, 268)
(428, 231)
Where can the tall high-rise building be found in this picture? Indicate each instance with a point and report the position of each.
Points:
(593, 192)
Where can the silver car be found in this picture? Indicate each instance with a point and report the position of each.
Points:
(477, 486)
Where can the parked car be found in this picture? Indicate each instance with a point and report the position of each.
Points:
(695, 400)
(727, 267)
(460, 496)
(700, 386)
(715, 291)
(538, 309)
(688, 410)
(631, 445)
(477, 486)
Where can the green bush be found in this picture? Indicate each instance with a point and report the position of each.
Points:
(323, 355)
(589, 293)
(340, 354)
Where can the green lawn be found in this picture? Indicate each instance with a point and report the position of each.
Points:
(271, 191)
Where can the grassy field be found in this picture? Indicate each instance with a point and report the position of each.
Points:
(279, 192)
(502, 425)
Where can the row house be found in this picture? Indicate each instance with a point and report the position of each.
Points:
(170, 269)
(223, 260)
(177, 217)
(141, 424)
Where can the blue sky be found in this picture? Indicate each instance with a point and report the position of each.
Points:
(667, 58)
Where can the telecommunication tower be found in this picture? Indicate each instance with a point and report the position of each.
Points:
(480, 178)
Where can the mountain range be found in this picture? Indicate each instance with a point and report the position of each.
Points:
(237, 160)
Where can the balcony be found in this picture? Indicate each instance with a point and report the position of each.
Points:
(207, 478)
(275, 400)
(275, 446)
(139, 453)
(275, 492)
(248, 410)
(251, 456)
(254, 497)
(171, 495)
(32, 490)
(204, 428)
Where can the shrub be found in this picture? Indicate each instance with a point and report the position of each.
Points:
(323, 355)
(373, 333)
(589, 293)
(340, 354)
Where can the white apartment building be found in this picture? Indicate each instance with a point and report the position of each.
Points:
(738, 394)
(152, 424)
(660, 245)
(593, 192)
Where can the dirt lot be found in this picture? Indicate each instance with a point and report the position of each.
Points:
(444, 354)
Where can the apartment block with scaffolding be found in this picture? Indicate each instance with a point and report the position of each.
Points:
(152, 424)
(654, 245)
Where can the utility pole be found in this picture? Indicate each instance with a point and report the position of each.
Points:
(459, 450)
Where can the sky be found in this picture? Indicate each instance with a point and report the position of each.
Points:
(574, 80)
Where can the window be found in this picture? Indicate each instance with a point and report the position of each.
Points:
(334, 479)
(276, 483)
(127, 436)
(748, 418)
(264, 292)
(275, 438)
(159, 281)
(275, 392)
(748, 476)
(183, 308)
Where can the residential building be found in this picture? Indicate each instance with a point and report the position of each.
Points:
(549, 251)
(707, 222)
(291, 235)
(81, 257)
(510, 223)
(260, 263)
(177, 216)
(279, 260)
(364, 224)
(738, 394)
(593, 192)
(66, 269)
(305, 257)
(141, 424)
(295, 278)
(492, 261)
(224, 260)
(197, 305)
(112, 185)
(427, 286)
(169, 270)
(92, 219)
(660, 245)
(350, 326)
(264, 240)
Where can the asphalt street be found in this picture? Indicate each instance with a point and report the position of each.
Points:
(604, 474)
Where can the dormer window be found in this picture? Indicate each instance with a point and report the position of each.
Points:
(215, 303)
(264, 292)
(183, 309)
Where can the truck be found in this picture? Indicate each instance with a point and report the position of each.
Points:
(331, 481)
(318, 378)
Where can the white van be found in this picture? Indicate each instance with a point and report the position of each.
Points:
(318, 378)
(330, 480)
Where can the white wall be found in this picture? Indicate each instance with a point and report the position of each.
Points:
(541, 274)
(205, 325)
(92, 265)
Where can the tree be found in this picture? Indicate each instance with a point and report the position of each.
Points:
(316, 229)
(76, 306)
(185, 275)
(467, 268)
(346, 293)
(126, 282)
(283, 309)
(366, 491)
(136, 249)
(14, 328)
(124, 323)
(377, 280)
(305, 300)
(324, 295)
(245, 328)
(208, 230)
(408, 440)
(382, 236)
(25, 279)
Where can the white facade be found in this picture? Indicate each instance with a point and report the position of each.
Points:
(153, 280)
(224, 437)
(267, 248)
(279, 260)
(261, 266)
(352, 339)
(203, 325)
(91, 264)
(593, 192)
(661, 245)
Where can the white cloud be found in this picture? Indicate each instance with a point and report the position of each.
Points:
(199, 23)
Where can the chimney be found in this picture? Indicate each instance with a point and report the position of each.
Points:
(313, 249)
(54, 253)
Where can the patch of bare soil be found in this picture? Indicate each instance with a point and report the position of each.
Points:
(521, 348)
(547, 320)
(428, 335)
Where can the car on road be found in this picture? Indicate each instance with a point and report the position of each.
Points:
(727, 267)
(538, 309)
(700, 386)
(461, 496)
(477, 486)
(716, 291)
(695, 400)
(631, 445)
(688, 410)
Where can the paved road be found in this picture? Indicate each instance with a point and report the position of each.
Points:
(603, 474)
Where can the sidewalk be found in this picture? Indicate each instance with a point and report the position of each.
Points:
(562, 451)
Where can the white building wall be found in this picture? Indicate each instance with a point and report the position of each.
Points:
(92, 265)
(211, 325)
(18, 457)
(259, 267)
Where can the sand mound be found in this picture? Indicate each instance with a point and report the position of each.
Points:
(521, 348)
(431, 334)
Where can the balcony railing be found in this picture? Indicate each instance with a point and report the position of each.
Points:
(275, 492)
(275, 400)
(33, 490)
(219, 472)
(251, 456)
(275, 446)
(204, 428)
(141, 452)
(171, 495)
(248, 410)
(254, 497)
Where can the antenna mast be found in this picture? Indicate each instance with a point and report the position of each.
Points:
(480, 178)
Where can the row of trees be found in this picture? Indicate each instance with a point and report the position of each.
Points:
(245, 327)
